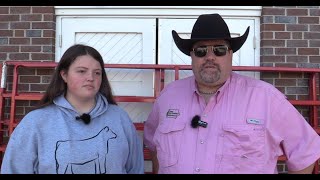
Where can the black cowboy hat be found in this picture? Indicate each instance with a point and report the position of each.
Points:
(209, 27)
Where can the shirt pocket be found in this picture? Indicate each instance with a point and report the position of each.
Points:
(243, 149)
(168, 139)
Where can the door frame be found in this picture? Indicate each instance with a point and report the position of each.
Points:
(182, 12)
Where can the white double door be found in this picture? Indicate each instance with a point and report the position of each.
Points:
(142, 41)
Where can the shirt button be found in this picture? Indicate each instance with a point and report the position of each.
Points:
(201, 142)
(197, 169)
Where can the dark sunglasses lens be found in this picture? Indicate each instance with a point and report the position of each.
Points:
(200, 51)
(220, 51)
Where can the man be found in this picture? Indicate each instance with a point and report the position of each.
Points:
(218, 121)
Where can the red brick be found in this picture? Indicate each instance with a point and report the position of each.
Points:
(38, 87)
(297, 90)
(273, 27)
(308, 20)
(272, 58)
(285, 82)
(31, 17)
(20, 10)
(293, 75)
(297, 27)
(44, 41)
(297, 59)
(4, 10)
(27, 71)
(19, 110)
(4, 25)
(297, 43)
(49, 33)
(311, 35)
(45, 71)
(314, 59)
(24, 87)
(297, 12)
(3, 56)
(19, 33)
(29, 79)
(315, 28)
(285, 51)
(266, 51)
(43, 25)
(303, 97)
(282, 35)
(19, 41)
(19, 56)
(272, 43)
(30, 48)
(42, 9)
(9, 49)
(49, 17)
(296, 35)
(273, 11)
(303, 82)
(22, 103)
(41, 56)
(308, 51)
(9, 18)
(314, 43)
(6, 33)
(266, 35)
(48, 49)
(20, 25)
(314, 12)
(293, 65)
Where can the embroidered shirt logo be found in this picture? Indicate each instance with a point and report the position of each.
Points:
(173, 113)
(254, 121)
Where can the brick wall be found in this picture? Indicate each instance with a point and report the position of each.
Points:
(290, 37)
(27, 33)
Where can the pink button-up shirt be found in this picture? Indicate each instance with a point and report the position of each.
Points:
(250, 124)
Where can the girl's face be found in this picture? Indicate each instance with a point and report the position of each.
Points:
(83, 79)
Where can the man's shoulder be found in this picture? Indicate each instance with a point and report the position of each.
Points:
(251, 81)
(254, 84)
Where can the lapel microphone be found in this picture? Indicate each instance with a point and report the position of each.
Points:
(84, 117)
(195, 122)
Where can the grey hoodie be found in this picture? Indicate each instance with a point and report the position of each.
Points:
(51, 141)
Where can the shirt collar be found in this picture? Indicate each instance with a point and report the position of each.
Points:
(220, 91)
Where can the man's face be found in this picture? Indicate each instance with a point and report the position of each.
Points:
(209, 68)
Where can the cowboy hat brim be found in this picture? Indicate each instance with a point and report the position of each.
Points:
(185, 45)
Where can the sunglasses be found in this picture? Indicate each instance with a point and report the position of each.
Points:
(218, 50)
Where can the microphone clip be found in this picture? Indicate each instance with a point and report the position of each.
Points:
(86, 118)
(195, 122)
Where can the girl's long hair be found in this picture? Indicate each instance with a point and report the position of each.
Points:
(57, 86)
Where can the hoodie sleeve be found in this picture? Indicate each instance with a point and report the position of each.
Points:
(135, 162)
(20, 156)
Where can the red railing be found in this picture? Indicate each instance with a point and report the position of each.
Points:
(159, 78)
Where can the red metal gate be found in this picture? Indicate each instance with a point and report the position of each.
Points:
(8, 124)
